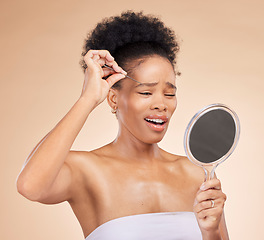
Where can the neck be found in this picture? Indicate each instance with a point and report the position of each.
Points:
(132, 148)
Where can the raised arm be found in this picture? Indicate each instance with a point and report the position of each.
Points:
(47, 174)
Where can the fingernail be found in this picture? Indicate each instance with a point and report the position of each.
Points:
(203, 186)
(122, 71)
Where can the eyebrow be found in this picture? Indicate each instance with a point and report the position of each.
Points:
(170, 85)
(147, 84)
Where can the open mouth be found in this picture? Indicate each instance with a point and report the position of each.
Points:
(158, 124)
(155, 121)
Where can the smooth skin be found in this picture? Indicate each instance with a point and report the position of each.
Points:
(131, 175)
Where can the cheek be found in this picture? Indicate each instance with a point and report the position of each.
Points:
(172, 105)
(140, 102)
(123, 100)
(128, 107)
(132, 103)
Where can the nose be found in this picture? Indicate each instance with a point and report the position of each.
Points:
(159, 104)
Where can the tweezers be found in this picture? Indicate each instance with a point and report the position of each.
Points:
(119, 72)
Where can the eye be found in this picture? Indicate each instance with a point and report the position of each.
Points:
(170, 95)
(145, 93)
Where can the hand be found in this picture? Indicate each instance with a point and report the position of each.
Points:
(96, 88)
(209, 205)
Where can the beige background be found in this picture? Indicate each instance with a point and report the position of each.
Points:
(221, 60)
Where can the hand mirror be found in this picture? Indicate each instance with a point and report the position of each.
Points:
(211, 136)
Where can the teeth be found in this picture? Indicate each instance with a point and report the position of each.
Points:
(155, 120)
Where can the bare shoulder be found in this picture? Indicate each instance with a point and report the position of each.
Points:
(86, 161)
(189, 169)
(78, 159)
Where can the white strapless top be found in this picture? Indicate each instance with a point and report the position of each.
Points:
(154, 226)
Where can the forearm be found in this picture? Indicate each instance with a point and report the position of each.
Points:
(47, 158)
(212, 235)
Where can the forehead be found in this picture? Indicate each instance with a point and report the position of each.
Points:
(154, 69)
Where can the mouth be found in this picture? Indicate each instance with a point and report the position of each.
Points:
(156, 123)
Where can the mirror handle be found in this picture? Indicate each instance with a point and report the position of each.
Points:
(209, 171)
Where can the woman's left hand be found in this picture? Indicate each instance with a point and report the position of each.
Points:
(208, 206)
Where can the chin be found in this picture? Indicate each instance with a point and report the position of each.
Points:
(153, 139)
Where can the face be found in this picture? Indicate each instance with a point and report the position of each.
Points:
(144, 110)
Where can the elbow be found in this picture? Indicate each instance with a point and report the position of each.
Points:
(27, 190)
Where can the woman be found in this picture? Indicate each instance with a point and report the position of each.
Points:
(129, 188)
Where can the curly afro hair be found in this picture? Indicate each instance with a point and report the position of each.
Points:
(132, 36)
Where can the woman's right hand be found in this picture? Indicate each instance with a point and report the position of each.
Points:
(95, 88)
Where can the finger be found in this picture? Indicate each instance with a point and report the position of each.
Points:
(103, 61)
(104, 57)
(115, 78)
(105, 54)
(111, 64)
(212, 183)
(204, 205)
(213, 213)
(108, 72)
(89, 55)
(210, 194)
(115, 66)
(96, 58)
(208, 204)
(88, 59)
(99, 56)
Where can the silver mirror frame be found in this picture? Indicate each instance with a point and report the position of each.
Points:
(196, 117)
